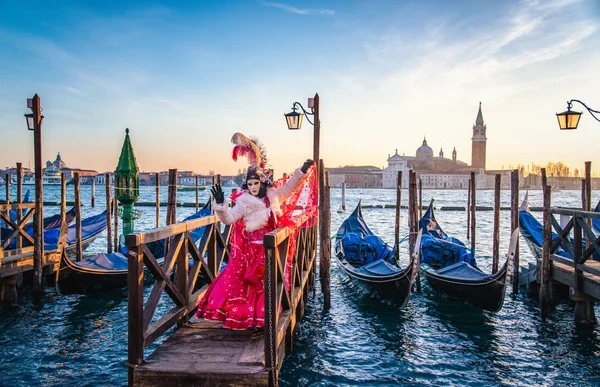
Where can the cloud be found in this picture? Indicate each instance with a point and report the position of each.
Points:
(300, 11)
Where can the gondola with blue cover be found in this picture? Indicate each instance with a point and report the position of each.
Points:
(104, 272)
(450, 267)
(532, 231)
(369, 260)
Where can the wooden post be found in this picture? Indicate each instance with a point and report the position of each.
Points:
(496, 241)
(7, 181)
(63, 197)
(583, 193)
(420, 198)
(469, 210)
(588, 187)
(157, 199)
(412, 217)
(7, 186)
(38, 216)
(93, 191)
(544, 178)
(116, 218)
(19, 241)
(197, 202)
(398, 212)
(514, 225)
(325, 246)
(135, 309)
(544, 296)
(344, 196)
(172, 197)
(473, 211)
(588, 198)
(78, 241)
(317, 134)
(219, 179)
(109, 210)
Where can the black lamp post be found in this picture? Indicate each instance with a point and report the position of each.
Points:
(569, 119)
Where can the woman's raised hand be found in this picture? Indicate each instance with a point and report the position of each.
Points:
(217, 193)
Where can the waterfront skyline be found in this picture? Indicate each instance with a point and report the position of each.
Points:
(184, 78)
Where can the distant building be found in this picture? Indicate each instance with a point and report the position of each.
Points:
(424, 163)
(366, 176)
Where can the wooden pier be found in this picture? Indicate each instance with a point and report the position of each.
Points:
(200, 352)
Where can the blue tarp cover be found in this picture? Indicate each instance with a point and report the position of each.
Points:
(531, 229)
(438, 250)
(90, 227)
(358, 243)
(379, 268)
(462, 270)
(114, 261)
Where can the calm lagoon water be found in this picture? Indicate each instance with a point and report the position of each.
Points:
(362, 340)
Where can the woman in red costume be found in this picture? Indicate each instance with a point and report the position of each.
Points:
(236, 296)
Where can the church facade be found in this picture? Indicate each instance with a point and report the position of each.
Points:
(440, 172)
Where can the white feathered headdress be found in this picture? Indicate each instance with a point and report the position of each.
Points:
(249, 147)
(257, 157)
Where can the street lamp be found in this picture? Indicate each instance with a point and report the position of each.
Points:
(294, 119)
(569, 119)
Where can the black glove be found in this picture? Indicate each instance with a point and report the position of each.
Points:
(307, 164)
(217, 193)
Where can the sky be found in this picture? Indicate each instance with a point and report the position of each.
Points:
(185, 76)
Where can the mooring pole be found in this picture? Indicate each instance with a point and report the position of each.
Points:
(344, 196)
(109, 210)
(514, 225)
(19, 240)
(38, 216)
(469, 210)
(197, 202)
(325, 246)
(93, 191)
(473, 210)
(172, 197)
(78, 241)
(544, 296)
(496, 241)
(157, 178)
(398, 211)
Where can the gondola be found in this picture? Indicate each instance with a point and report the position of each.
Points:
(532, 232)
(369, 260)
(50, 222)
(450, 267)
(104, 272)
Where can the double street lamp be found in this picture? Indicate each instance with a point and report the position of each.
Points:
(569, 119)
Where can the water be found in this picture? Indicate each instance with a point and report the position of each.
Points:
(362, 340)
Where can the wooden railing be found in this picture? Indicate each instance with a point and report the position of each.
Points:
(17, 227)
(580, 225)
(207, 256)
(284, 308)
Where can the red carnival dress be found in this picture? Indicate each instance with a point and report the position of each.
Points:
(236, 296)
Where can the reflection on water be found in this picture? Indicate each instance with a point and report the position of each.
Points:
(362, 340)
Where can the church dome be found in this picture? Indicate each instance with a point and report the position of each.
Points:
(424, 151)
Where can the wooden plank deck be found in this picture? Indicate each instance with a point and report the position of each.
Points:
(565, 274)
(204, 353)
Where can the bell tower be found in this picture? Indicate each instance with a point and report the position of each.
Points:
(478, 141)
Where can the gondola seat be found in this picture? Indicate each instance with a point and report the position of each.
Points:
(116, 261)
(379, 267)
(462, 270)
